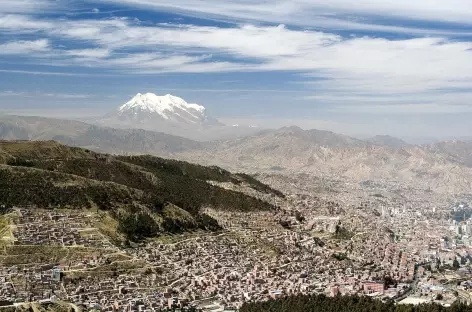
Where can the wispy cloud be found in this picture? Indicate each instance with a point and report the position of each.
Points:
(329, 62)
(16, 23)
(24, 47)
(88, 53)
(10, 93)
(24, 6)
(318, 13)
(49, 73)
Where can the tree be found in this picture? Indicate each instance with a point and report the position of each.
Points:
(455, 264)
(299, 217)
(322, 303)
(388, 281)
(138, 226)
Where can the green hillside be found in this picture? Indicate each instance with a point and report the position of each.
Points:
(145, 193)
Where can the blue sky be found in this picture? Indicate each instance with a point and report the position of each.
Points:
(397, 67)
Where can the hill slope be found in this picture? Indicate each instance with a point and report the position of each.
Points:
(167, 195)
(458, 151)
(103, 139)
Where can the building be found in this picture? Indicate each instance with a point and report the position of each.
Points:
(373, 287)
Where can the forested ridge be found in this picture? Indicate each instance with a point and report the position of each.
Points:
(322, 303)
(162, 194)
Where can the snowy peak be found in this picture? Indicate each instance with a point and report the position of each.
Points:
(168, 113)
(168, 107)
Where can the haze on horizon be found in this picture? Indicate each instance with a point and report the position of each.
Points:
(391, 67)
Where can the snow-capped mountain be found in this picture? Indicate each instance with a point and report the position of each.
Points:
(168, 113)
(146, 107)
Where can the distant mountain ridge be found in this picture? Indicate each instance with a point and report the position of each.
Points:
(101, 139)
(456, 150)
(387, 140)
(292, 149)
(444, 166)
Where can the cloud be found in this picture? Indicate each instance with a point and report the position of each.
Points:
(368, 64)
(355, 69)
(24, 47)
(43, 95)
(89, 53)
(10, 93)
(25, 6)
(58, 112)
(318, 13)
(48, 73)
(22, 24)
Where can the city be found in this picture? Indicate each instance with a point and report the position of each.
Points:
(375, 246)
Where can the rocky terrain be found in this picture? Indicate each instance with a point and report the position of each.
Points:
(444, 166)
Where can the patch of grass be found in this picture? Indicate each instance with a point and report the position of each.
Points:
(56, 307)
(6, 234)
(24, 255)
(342, 233)
(340, 256)
(176, 220)
(169, 239)
(108, 226)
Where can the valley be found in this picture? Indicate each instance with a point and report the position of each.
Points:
(313, 212)
(230, 237)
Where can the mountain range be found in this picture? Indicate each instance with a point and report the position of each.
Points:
(443, 166)
(102, 139)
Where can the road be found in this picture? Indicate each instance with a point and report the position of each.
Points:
(413, 285)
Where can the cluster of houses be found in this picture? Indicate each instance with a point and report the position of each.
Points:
(255, 258)
(64, 228)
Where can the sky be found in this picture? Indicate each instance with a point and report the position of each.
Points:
(360, 67)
